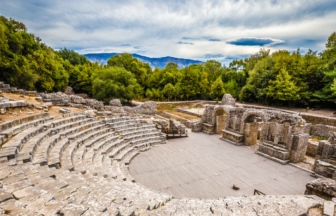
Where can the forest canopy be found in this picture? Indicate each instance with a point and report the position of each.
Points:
(278, 78)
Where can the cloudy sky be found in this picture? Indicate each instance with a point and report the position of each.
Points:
(198, 29)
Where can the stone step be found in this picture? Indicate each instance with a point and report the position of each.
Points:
(145, 126)
(275, 152)
(283, 162)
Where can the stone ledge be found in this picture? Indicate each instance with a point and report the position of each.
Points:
(283, 162)
(233, 133)
(232, 142)
(208, 125)
(275, 147)
(208, 132)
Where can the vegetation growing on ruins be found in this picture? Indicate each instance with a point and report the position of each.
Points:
(280, 78)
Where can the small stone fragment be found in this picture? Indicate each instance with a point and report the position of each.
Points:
(64, 110)
(3, 111)
(235, 187)
(328, 208)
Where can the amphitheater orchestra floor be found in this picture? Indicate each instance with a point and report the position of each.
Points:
(203, 166)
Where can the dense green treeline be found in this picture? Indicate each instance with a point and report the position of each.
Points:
(281, 78)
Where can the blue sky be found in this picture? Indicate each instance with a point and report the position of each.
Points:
(198, 29)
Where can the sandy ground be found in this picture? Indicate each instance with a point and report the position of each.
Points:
(190, 117)
(16, 113)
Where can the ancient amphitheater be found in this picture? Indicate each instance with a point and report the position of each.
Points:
(115, 160)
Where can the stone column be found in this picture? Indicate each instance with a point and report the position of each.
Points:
(234, 122)
(251, 133)
(220, 123)
(299, 147)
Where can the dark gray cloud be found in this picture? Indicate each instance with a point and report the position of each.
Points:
(252, 42)
(213, 39)
(209, 56)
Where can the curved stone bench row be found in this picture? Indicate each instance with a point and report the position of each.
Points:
(130, 131)
(13, 104)
(39, 181)
(100, 182)
(242, 206)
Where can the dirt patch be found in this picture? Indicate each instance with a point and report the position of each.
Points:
(304, 165)
(183, 115)
(314, 139)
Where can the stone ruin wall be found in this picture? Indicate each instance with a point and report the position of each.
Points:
(282, 129)
(69, 99)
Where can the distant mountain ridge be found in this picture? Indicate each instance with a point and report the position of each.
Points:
(153, 62)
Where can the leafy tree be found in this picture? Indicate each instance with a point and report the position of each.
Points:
(189, 82)
(258, 79)
(156, 93)
(114, 82)
(283, 88)
(73, 57)
(232, 88)
(217, 89)
(211, 66)
(139, 69)
(204, 85)
(177, 90)
(149, 94)
(169, 90)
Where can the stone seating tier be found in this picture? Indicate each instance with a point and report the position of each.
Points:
(232, 137)
(106, 187)
(47, 191)
(208, 128)
(13, 104)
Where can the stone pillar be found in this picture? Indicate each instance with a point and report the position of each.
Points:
(220, 123)
(322, 152)
(251, 133)
(234, 122)
(299, 147)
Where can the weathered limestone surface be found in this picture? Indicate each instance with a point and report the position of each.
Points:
(323, 187)
(220, 123)
(160, 123)
(114, 109)
(299, 147)
(190, 123)
(208, 128)
(322, 130)
(228, 100)
(241, 206)
(69, 90)
(148, 108)
(176, 125)
(284, 135)
(312, 148)
(325, 161)
(251, 133)
(115, 102)
(196, 126)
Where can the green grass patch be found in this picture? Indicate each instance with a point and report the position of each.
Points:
(319, 137)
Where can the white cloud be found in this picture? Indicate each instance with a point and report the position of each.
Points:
(187, 29)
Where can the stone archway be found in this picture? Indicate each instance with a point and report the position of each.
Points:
(220, 118)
